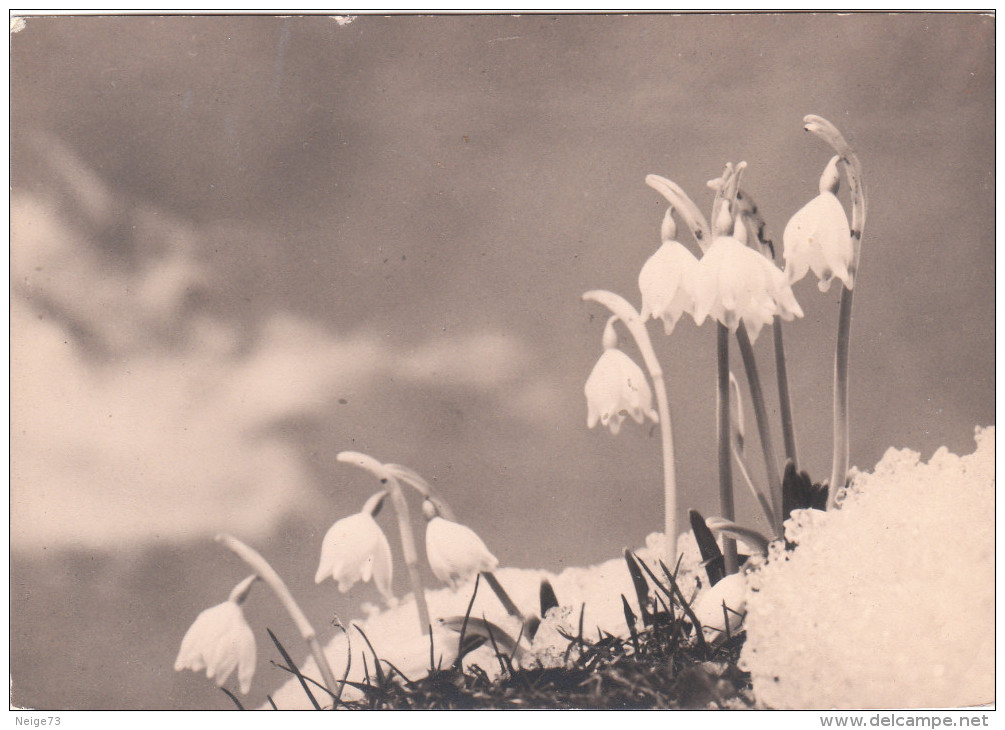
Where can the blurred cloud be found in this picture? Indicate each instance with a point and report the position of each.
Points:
(137, 415)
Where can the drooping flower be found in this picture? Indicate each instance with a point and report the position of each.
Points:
(667, 279)
(616, 388)
(455, 553)
(721, 608)
(220, 641)
(818, 236)
(736, 283)
(356, 549)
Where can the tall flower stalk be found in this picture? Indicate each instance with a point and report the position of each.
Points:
(387, 477)
(723, 441)
(743, 290)
(625, 312)
(849, 163)
(784, 401)
(271, 578)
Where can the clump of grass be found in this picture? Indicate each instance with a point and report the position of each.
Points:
(664, 663)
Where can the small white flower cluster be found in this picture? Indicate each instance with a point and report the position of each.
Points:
(356, 549)
(731, 283)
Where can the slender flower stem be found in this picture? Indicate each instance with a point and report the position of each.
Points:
(387, 478)
(633, 321)
(725, 465)
(785, 404)
(839, 470)
(853, 173)
(271, 578)
(763, 426)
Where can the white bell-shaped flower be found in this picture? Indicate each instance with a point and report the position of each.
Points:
(617, 387)
(667, 279)
(736, 283)
(818, 236)
(723, 604)
(455, 553)
(220, 641)
(356, 549)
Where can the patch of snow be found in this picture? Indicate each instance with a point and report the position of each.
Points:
(888, 601)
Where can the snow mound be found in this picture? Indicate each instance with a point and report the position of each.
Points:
(889, 601)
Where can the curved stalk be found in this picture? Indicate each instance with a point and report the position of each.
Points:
(271, 578)
(853, 173)
(633, 321)
(387, 478)
(680, 202)
(412, 479)
(751, 538)
(723, 424)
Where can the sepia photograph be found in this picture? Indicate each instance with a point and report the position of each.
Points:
(594, 361)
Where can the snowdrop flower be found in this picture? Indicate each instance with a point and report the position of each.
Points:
(667, 279)
(736, 283)
(818, 237)
(220, 640)
(708, 609)
(455, 553)
(356, 549)
(617, 387)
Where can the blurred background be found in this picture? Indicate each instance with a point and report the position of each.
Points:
(240, 245)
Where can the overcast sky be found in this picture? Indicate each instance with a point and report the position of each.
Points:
(241, 245)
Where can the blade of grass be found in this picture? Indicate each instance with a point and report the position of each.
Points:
(376, 659)
(686, 607)
(316, 683)
(464, 624)
(232, 697)
(641, 588)
(495, 647)
(630, 620)
(293, 667)
(711, 556)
